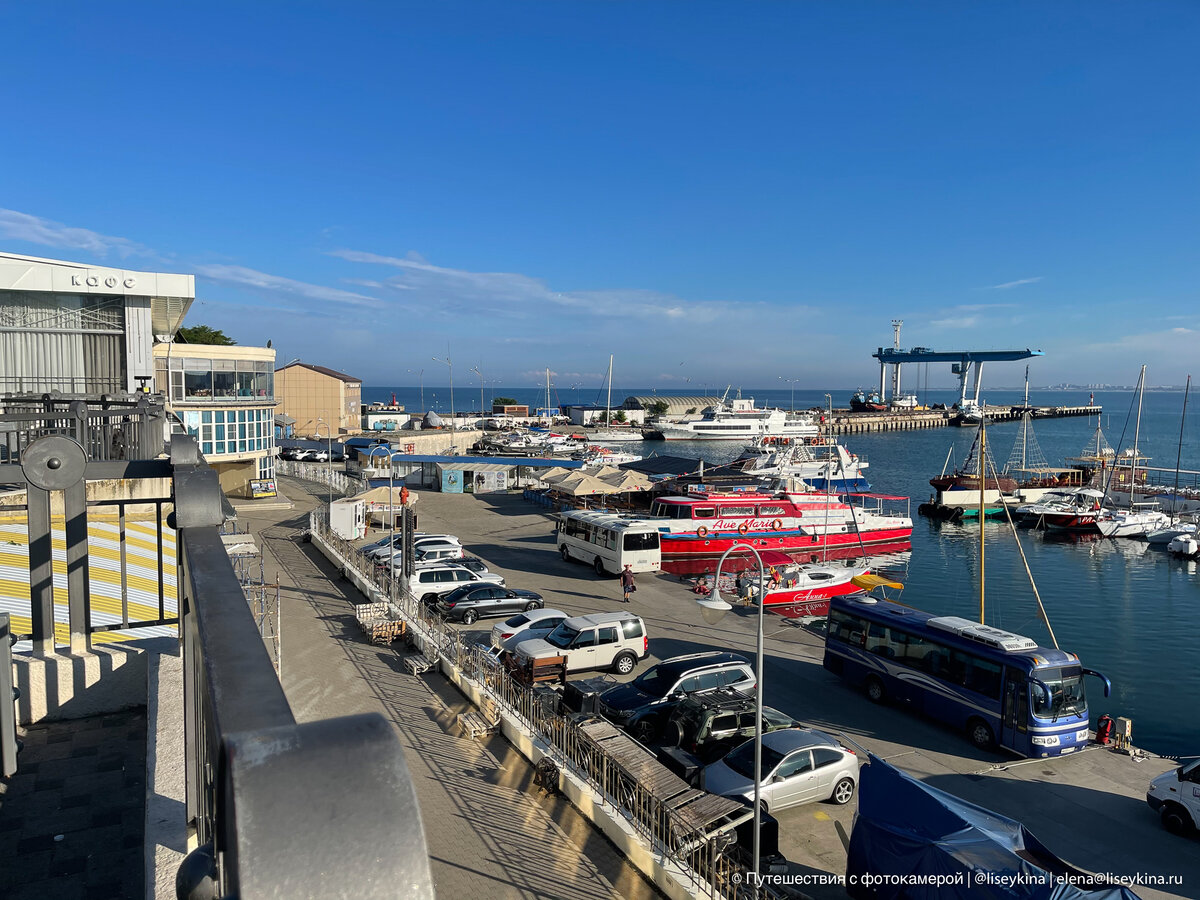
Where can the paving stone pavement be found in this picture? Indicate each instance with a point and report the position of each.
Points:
(72, 818)
(489, 831)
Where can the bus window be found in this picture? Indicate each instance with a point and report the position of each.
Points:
(845, 628)
(878, 641)
(981, 676)
(641, 541)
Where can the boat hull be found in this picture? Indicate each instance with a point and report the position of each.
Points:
(800, 545)
(1081, 522)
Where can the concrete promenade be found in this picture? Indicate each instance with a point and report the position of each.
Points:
(490, 832)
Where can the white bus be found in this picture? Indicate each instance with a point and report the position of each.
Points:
(607, 541)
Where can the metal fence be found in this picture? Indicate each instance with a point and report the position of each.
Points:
(127, 427)
(705, 856)
(322, 473)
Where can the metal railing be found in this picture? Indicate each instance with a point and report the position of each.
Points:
(129, 426)
(320, 472)
(9, 745)
(706, 858)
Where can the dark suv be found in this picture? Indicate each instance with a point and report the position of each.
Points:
(641, 707)
(710, 725)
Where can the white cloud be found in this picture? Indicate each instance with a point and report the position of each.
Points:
(451, 291)
(1013, 284)
(20, 226)
(956, 322)
(240, 275)
(1182, 331)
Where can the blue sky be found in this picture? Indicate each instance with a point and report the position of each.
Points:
(721, 192)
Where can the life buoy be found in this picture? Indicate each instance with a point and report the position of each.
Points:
(777, 524)
(818, 441)
(701, 531)
(743, 528)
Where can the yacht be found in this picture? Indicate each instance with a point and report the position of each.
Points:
(739, 420)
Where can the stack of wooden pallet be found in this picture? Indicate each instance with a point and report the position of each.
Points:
(381, 622)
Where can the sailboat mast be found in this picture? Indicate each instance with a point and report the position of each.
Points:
(1179, 453)
(982, 485)
(1137, 430)
(548, 420)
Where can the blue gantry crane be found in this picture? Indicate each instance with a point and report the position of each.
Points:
(961, 362)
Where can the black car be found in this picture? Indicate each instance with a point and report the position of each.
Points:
(478, 601)
(641, 707)
(710, 725)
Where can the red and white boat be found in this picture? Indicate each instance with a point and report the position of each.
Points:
(809, 525)
(804, 588)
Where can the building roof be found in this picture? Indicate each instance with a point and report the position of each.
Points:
(663, 465)
(675, 405)
(324, 370)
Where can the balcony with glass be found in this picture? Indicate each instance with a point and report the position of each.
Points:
(218, 382)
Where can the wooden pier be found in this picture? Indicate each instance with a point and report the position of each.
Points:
(846, 422)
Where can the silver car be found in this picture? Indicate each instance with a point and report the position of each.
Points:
(533, 623)
(797, 767)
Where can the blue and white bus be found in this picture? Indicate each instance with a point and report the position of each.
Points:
(999, 687)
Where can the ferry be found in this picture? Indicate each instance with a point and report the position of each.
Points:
(739, 420)
(782, 516)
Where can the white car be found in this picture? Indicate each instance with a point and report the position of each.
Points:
(381, 550)
(429, 582)
(798, 766)
(611, 640)
(526, 625)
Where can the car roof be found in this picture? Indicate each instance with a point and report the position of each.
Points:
(534, 615)
(677, 665)
(785, 740)
(603, 618)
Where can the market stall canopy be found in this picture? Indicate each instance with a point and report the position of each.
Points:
(555, 473)
(580, 484)
(629, 481)
(385, 496)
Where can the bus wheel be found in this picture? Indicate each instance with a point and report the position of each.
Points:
(564, 553)
(980, 734)
(598, 565)
(875, 691)
(1175, 819)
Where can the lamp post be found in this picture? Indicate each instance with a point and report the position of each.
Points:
(329, 453)
(391, 514)
(713, 608)
(475, 369)
(829, 406)
(792, 382)
(451, 367)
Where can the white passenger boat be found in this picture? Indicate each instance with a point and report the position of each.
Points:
(739, 420)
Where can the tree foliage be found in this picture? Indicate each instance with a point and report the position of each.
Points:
(203, 334)
(657, 408)
(503, 401)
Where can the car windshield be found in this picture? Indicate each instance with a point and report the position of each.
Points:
(741, 760)
(1066, 691)
(1191, 768)
(654, 682)
(562, 636)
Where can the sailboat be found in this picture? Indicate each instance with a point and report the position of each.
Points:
(1140, 518)
(608, 434)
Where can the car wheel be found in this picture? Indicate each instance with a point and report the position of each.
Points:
(875, 691)
(598, 565)
(1176, 819)
(532, 604)
(843, 791)
(624, 663)
(980, 734)
(470, 617)
(646, 730)
(564, 553)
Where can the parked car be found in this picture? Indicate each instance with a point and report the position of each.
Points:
(381, 550)
(303, 454)
(615, 640)
(474, 563)
(798, 766)
(435, 579)
(437, 550)
(710, 725)
(1175, 796)
(526, 625)
(641, 707)
(469, 603)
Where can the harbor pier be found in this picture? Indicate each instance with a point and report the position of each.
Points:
(844, 421)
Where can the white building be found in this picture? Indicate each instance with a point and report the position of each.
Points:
(82, 329)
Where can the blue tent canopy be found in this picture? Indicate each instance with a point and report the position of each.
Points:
(907, 828)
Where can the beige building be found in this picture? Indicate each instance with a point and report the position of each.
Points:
(225, 397)
(316, 396)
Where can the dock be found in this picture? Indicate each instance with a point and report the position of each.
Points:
(847, 422)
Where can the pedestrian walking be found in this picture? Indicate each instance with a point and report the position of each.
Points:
(627, 585)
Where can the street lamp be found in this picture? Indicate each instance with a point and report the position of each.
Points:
(475, 369)
(451, 366)
(712, 609)
(391, 513)
(329, 453)
(829, 406)
(792, 382)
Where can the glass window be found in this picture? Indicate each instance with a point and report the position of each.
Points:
(689, 684)
(823, 756)
(641, 541)
(224, 384)
(197, 378)
(704, 512)
(728, 512)
(632, 629)
(800, 761)
(735, 678)
(586, 638)
(726, 722)
(772, 511)
(206, 416)
(709, 681)
(608, 635)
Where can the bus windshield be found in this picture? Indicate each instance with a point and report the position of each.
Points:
(1066, 691)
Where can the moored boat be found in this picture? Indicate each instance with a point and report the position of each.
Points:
(863, 401)
(822, 465)
(739, 420)
(805, 588)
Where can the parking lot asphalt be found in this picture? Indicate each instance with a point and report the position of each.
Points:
(1088, 808)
